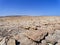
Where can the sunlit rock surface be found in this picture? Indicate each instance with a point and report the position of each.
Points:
(30, 30)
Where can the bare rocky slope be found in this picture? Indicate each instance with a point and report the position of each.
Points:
(30, 30)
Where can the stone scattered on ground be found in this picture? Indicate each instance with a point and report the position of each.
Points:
(29, 30)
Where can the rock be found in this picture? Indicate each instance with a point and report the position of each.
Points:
(1, 39)
(23, 40)
(11, 42)
(3, 42)
(51, 39)
(35, 35)
(43, 42)
(59, 41)
(33, 43)
(50, 44)
(29, 30)
(57, 32)
(58, 44)
(57, 35)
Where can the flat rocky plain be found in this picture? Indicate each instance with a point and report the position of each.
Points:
(30, 30)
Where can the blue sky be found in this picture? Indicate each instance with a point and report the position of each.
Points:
(30, 7)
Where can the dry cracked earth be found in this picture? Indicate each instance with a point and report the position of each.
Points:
(29, 30)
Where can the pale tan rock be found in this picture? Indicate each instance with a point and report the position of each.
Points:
(11, 42)
(23, 40)
(3, 42)
(35, 29)
(35, 35)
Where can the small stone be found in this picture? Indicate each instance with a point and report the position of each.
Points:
(50, 44)
(43, 42)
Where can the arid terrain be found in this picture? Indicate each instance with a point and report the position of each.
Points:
(30, 30)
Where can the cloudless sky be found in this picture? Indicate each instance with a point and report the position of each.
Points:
(30, 7)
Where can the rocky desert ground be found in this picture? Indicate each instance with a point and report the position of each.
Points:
(30, 30)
